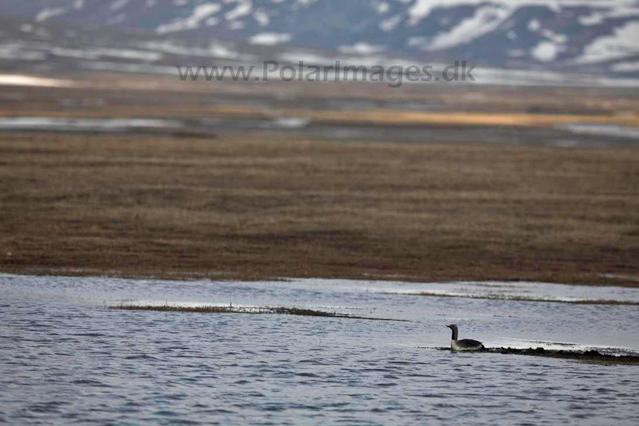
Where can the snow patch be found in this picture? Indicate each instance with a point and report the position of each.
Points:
(200, 13)
(486, 19)
(306, 57)
(215, 50)
(261, 17)
(603, 130)
(594, 19)
(25, 80)
(129, 54)
(242, 9)
(534, 25)
(381, 7)
(119, 4)
(423, 8)
(361, 48)
(390, 23)
(47, 13)
(81, 124)
(618, 11)
(546, 51)
(270, 39)
(621, 44)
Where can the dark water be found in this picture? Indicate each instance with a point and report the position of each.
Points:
(567, 136)
(67, 359)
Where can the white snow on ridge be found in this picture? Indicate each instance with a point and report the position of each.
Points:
(557, 38)
(390, 23)
(594, 19)
(242, 9)
(307, 57)
(381, 7)
(599, 17)
(261, 17)
(220, 51)
(621, 44)
(119, 4)
(47, 13)
(486, 19)
(361, 49)
(534, 25)
(422, 8)
(490, 14)
(270, 39)
(128, 54)
(200, 12)
(214, 50)
(546, 51)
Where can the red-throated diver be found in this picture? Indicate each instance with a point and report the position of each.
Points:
(466, 345)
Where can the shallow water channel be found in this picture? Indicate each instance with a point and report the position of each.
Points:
(67, 358)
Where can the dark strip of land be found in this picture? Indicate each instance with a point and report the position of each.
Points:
(266, 310)
(591, 356)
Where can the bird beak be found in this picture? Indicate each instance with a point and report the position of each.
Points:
(448, 326)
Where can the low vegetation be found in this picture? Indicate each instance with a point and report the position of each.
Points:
(255, 205)
(242, 310)
(525, 299)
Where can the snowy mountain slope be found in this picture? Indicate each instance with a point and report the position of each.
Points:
(573, 35)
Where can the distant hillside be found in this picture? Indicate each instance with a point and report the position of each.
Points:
(596, 36)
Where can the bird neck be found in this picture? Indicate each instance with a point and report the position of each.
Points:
(454, 334)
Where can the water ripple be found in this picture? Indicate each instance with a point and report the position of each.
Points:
(66, 359)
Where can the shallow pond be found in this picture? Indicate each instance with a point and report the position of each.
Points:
(66, 358)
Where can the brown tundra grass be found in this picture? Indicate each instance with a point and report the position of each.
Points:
(246, 207)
